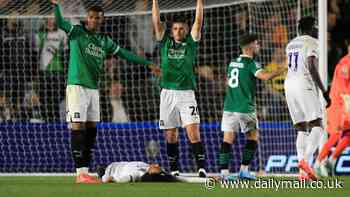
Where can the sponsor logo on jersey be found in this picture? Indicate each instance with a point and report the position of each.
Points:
(236, 65)
(94, 50)
(176, 53)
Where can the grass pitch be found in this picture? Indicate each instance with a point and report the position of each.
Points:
(65, 187)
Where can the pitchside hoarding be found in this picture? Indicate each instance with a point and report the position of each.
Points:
(46, 147)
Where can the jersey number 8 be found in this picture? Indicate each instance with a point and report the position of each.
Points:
(233, 80)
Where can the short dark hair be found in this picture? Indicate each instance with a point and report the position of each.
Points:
(247, 39)
(101, 170)
(179, 19)
(306, 24)
(158, 177)
(96, 8)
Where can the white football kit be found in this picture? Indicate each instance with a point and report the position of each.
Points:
(300, 90)
(123, 172)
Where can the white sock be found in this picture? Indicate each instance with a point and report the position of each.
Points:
(312, 143)
(323, 139)
(301, 144)
(84, 170)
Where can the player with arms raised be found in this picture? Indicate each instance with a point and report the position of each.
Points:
(178, 106)
(301, 90)
(88, 50)
(239, 107)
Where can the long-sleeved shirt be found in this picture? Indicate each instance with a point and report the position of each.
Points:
(88, 50)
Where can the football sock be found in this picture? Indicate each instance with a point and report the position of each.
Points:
(249, 151)
(77, 147)
(323, 139)
(225, 155)
(173, 155)
(301, 144)
(312, 142)
(198, 152)
(90, 139)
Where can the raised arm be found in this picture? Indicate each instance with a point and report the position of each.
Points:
(127, 55)
(60, 21)
(265, 75)
(197, 26)
(158, 27)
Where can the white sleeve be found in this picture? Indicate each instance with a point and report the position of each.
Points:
(125, 178)
(311, 49)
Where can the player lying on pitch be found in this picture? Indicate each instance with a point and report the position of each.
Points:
(137, 171)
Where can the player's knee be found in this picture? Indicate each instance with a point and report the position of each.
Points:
(171, 135)
(229, 137)
(90, 125)
(193, 133)
(253, 135)
(194, 137)
(77, 126)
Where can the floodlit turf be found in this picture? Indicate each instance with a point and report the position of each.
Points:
(65, 187)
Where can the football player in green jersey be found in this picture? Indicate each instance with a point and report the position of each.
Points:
(239, 107)
(178, 106)
(88, 50)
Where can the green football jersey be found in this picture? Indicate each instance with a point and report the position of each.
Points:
(241, 89)
(177, 63)
(88, 50)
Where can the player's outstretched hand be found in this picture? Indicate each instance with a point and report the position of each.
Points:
(54, 1)
(282, 68)
(327, 98)
(155, 70)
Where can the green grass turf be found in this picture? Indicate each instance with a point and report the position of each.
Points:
(65, 187)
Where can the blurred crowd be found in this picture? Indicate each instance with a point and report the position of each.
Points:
(34, 58)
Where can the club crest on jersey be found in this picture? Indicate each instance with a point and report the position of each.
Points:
(76, 115)
(94, 50)
(161, 123)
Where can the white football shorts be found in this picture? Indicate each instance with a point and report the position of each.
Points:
(82, 104)
(235, 122)
(178, 108)
(303, 103)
